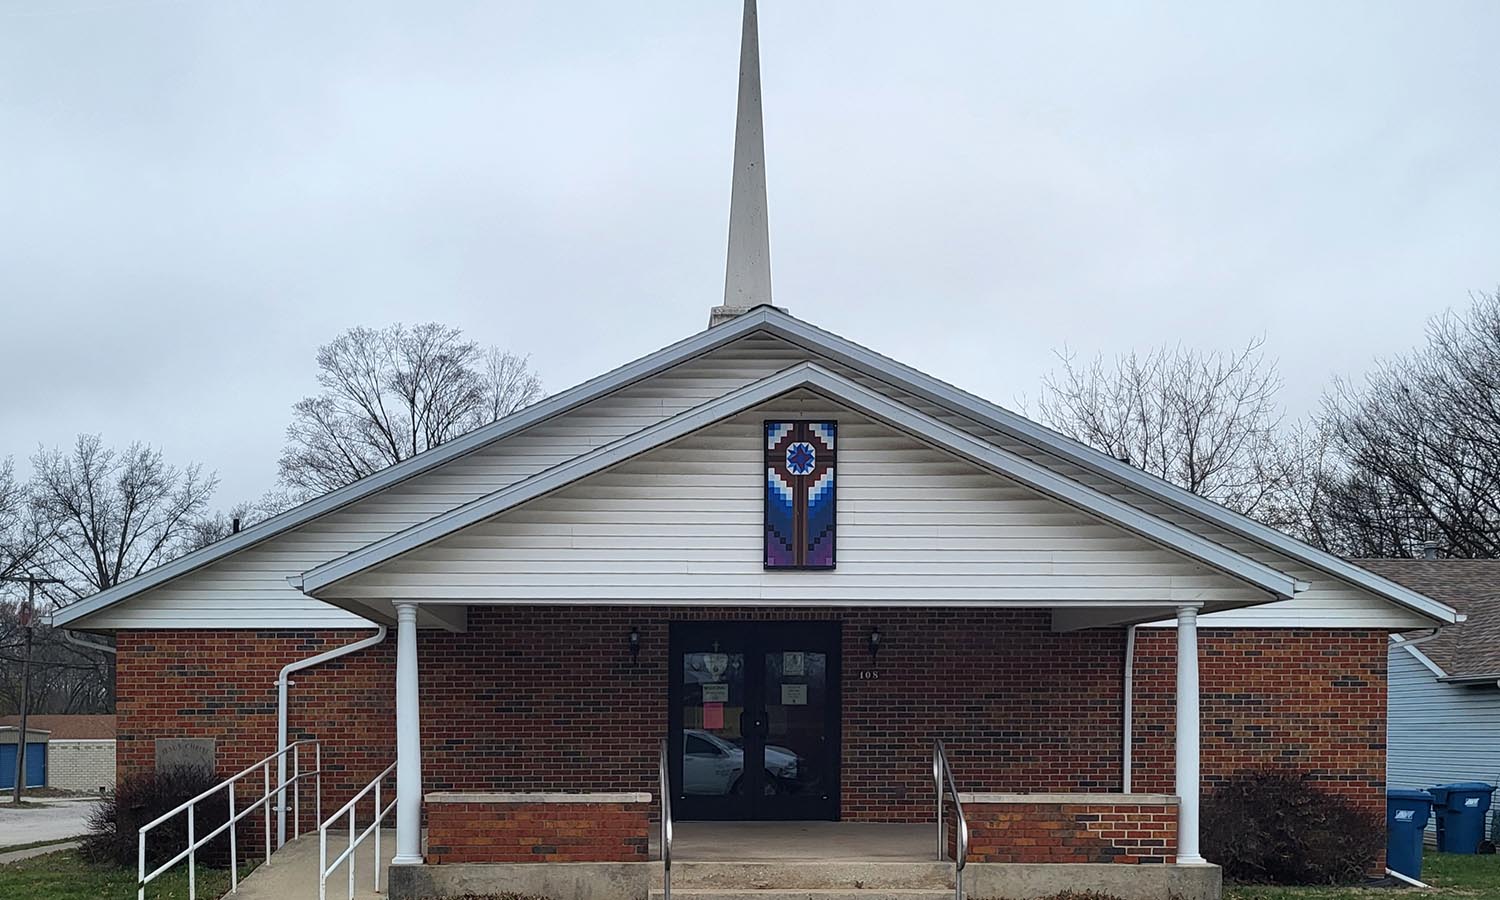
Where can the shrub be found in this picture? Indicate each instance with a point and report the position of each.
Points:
(114, 824)
(1278, 828)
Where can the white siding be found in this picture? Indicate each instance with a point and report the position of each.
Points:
(249, 589)
(1436, 732)
(684, 523)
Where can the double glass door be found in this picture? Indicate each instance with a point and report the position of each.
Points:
(754, 715)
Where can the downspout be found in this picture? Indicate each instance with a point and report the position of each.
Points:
(282, 684)
(1412, 642)
(1129, 710)
(77, 641)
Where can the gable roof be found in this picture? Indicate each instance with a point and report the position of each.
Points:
(814, 340)
(836, 387)
(1470, 650)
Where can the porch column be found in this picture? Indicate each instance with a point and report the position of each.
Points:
(408, 741)
(1188, 779)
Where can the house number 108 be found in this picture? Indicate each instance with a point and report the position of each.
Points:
(869, 675)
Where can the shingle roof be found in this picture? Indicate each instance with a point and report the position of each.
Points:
(68, 728)
(1471, 586)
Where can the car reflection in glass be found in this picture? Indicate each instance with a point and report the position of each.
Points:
(715, 767)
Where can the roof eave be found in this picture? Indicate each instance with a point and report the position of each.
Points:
(623, 376)
(810, 337)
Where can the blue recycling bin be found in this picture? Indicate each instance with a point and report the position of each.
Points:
(1406, 814)
(1460, 809)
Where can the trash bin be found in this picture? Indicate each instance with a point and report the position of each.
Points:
(1460, 808)
(1406, 814)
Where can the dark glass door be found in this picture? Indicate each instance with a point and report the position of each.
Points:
(754, 710)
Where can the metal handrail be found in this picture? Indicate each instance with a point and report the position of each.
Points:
(942, 780)
(324, 867)
(664, 783)
(268, 793)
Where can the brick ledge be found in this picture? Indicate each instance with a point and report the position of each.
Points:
(1072, 799)
(534, 797)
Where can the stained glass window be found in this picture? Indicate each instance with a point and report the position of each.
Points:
(800, 522)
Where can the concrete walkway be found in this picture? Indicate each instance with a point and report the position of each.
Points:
(29, 852)
(293, 872)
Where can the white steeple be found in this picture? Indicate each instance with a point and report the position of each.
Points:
(747, 274)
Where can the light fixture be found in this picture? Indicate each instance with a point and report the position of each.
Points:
(874, 641)
(635, 645)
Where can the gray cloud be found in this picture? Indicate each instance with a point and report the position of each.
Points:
(197, 194)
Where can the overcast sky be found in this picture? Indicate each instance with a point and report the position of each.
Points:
(196, 194)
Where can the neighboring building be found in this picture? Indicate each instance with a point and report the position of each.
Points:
(35, 759)
(664, 552)
(1444, 711)
(80, 750)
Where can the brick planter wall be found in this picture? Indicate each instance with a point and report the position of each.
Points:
(479, 828)
(1067, 831)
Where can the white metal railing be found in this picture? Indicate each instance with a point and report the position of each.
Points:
(942, 777)
(269, 792)
(325, 868)
(663, 781)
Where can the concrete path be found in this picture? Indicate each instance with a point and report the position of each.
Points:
(293, 872)
(58, 820)
(18, 855)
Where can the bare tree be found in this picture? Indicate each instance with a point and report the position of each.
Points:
(21, 534)
(1417, 444)
(1208, 422)
(111, 515)
(392, 393)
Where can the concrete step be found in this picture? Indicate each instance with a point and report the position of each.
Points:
(806, 894)
(809, 878)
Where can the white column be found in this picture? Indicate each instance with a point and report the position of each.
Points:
(1188, 779)
(408, 741)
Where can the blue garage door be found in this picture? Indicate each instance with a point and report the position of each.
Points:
(36, 765)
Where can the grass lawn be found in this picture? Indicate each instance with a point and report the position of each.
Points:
(1451, 875)
(66, 876)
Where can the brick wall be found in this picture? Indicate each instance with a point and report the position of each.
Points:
(81, 765)
(221, 685)
(460, 832)
(1070, 833)
(1309, 700)
(548, 698)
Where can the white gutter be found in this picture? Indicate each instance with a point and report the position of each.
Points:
(77, 641)
(1412, 642)
(282, 684)
(1127, 747)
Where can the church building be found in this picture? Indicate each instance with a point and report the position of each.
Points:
(764, 585)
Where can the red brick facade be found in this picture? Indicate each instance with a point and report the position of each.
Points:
(549, 698)
(1070, 833)
(1308, 700)
(222, 685)
(537, 832)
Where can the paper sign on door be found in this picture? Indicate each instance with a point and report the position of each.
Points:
(716, 693)
(793, 664)
(713, 716)
(794, 695)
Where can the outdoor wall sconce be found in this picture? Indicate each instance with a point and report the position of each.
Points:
(874, 641)
(635, 645)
